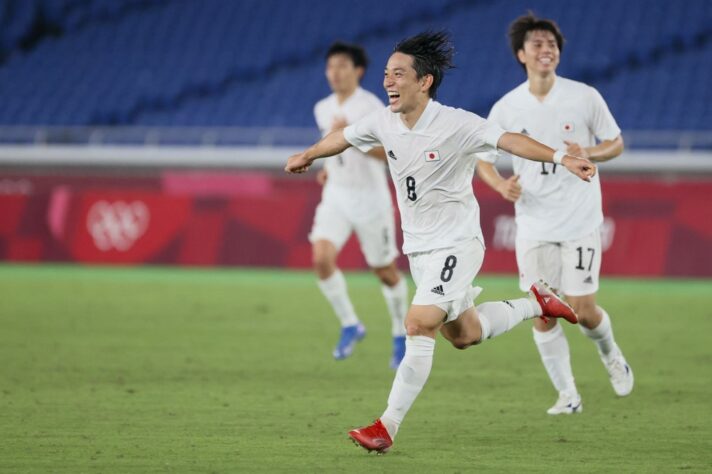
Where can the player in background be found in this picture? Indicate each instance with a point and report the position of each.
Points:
(558, 217)
(431, 151)
(355, 198)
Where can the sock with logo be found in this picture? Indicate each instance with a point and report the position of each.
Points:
(499, 317)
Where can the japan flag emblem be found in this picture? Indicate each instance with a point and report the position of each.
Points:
(567, 127)
(432, 155)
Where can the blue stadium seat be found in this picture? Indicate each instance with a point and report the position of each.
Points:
(260, 62)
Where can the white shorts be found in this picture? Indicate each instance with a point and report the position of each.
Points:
(376, 236)
(443, 277)
(572, 267)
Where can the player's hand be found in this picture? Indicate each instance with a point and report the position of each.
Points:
(338, 123)
(581, 167)
(574, 149)
(510, 189)
(298, 163)
(322, 176)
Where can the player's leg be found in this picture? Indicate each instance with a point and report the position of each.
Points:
(446, 283)
(543, 260)
(395, 292)
(489, 320)
(330, 232)
(580, 284)
(444, 295)
(324, 255)
(422, 324)
(378, 244)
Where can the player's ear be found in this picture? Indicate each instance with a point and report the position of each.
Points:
(360, 72)
(521, 57)
(426, 82)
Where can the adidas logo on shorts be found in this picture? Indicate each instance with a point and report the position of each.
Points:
(438, 290)
(588, 280)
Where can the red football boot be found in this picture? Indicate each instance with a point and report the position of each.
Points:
(372, 438)
(551, 305)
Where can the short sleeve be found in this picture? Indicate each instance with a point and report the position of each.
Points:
(363, 133)
(602, 123)
(491, 156)
(481, 136)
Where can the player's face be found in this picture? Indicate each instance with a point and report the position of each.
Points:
(541, 53)
(341, 73)
(402, 85)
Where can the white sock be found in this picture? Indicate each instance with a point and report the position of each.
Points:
(602, 335)
(397, 301)
(334, 289)
(554, 351)
(410, 379)
(499, 317)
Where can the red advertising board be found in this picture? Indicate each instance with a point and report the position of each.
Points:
(653, 227)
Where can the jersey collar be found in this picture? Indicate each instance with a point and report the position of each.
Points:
(356, 93)
(425, 119)
(549, 97)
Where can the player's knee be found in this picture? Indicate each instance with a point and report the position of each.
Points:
(465, 341)
(544, 326)
(324, 265)
(585, 310)
(388, 275)
(414, 328)
(462, 343)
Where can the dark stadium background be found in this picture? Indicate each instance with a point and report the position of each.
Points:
(155, 131)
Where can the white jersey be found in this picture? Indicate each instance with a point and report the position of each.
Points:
(555, 205)
(357, 181)
(432, 166)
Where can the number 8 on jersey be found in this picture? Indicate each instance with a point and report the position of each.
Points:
(410, 188)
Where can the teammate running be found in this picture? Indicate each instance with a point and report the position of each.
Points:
(355, 198)
(558, 216)
(431, 149)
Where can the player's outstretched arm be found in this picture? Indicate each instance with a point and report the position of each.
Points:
(332, 144)
(604, 151)
(525, 147)
(509, 188)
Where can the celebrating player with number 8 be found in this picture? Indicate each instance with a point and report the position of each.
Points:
(431, 151)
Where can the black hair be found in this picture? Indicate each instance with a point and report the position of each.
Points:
(432, 53)
(525, 24)
(355, 52)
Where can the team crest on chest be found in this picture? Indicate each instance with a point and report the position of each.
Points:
(433, 155)
(567, 127)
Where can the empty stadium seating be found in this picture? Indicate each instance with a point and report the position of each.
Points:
(260, 62)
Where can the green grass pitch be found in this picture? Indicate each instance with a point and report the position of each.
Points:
(195, 370)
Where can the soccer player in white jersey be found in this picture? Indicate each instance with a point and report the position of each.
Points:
(355, 198)
(558, 217)
(432, 164)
